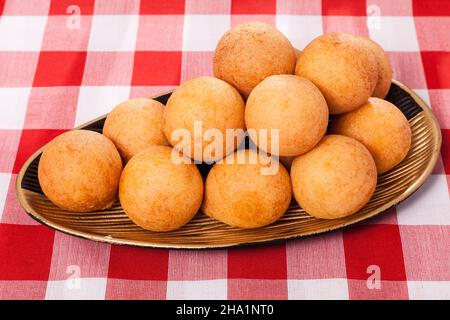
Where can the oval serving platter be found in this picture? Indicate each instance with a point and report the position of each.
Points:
(113, 226)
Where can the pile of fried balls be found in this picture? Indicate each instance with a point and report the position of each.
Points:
(261, 82)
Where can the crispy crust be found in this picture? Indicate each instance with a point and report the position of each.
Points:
(335, 179)
(381, 127)
(292, 105)
(213, 102)
(156, 193)
(239, 195)
(345, 71)
(384, 68)
(249, 53)
(134, 125)
(79, 171)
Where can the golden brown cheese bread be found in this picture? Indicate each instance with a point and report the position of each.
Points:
(384, 68)
(381, 127)
(249, 53)
(212, 104)
(335, 179)
(241, 195)
(134, 125)
(345, 71)
(79, 171)
(293, 106)
(159, 194)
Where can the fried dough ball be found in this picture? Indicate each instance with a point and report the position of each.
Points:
(134, 125)
(204, 103)
(345, 71)
(159, 194)
(242, 194)
(249, 53)
(79, 171)
(384, 68)
(335, 179)
(381, 127)
(292, 105)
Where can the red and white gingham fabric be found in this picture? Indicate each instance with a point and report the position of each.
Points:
(54, 76)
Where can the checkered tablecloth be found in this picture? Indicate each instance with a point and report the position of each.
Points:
(64, 62)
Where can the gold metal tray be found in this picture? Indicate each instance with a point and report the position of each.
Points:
(113, 226)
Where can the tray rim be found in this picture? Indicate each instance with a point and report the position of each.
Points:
(20, 194)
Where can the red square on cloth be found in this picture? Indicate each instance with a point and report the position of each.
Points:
(426, 252)
(268, 262)
(436, 65)
(22, 289)
(374, 246)
(196, 64)
(90, 258)
(116, 7)
(299, 7)
(160, 33)
(408, 69)
(24, 8)
(162, 7)
(440, 102)
(316, 257)
(51, 107)
(108, 69)
(119, 289)
(429, 36)
(445, 149)
(253, 7)
(208, 6)
(17, 69)
(431, 8)
(156, 68)
(344, 8)
(58, 37)
(59, 7)
(13, 212)
(60, 68)
(256, 289)
(25, 252)
(9, 143)
(30, 141)
(138, 263)
(187, 265)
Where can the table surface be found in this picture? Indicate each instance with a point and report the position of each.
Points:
(62, 65)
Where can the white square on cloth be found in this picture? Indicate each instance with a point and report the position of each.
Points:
(94, 101)
(21, 33)
(197, 290)
(300, 30)
(324, 289)
(13, 107)
(113, 33)
(395, 34)
(76, 289)
(430, 205)
(202, 32)
(4, 187)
